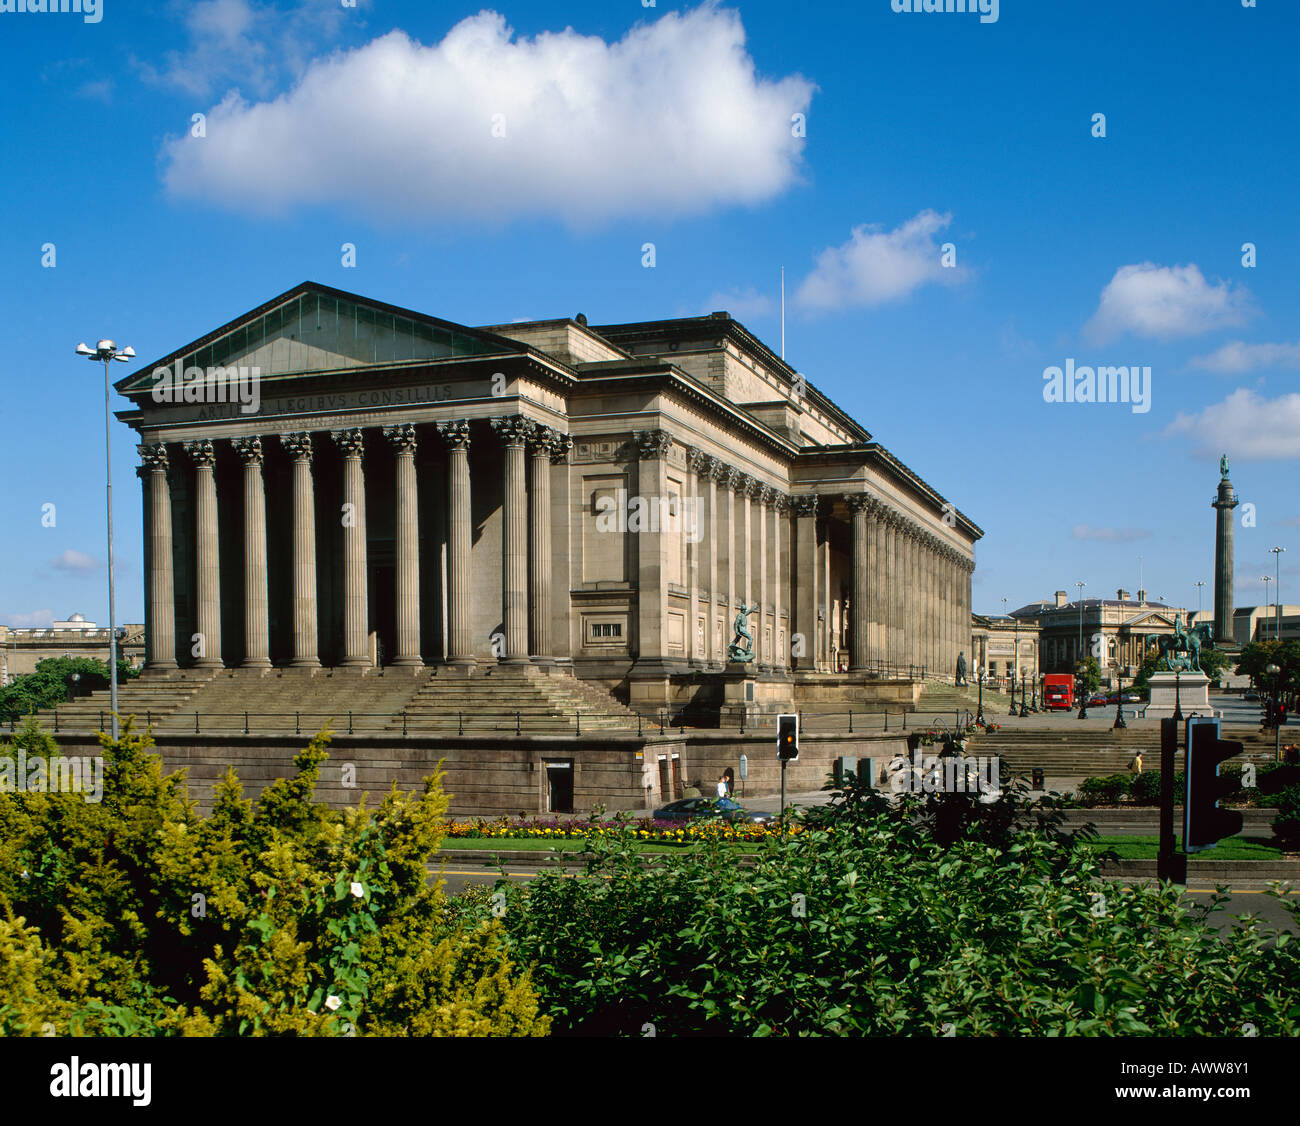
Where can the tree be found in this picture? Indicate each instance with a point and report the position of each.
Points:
(1088, 673)
(1213, 663)
(1142, 682)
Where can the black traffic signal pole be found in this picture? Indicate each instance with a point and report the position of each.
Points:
(1170, 864)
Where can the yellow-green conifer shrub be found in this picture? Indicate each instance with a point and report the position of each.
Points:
(136, 915)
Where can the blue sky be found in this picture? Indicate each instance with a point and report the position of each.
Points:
(625, 124)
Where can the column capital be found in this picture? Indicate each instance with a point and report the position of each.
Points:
(153, 457)
(805, 504)
(751, 486)
(766, 495)
(859, 502)
(652, 444)
(349, 441)
(455, 432)
(297, 445)
(716, 469)
(780, 501)
(697, 460)
(735, 479)
(202, 452)
(249, 449)
(401, 437)
(547, 442)
(513, 429)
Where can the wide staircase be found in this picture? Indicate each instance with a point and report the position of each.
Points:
(942, 699)
(149, 699)
(499, 700)
(1094, 754)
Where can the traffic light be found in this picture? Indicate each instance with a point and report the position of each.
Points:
(787, 738)
(1204, 823)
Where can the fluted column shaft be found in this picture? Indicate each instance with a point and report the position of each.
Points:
(762, 647)
(162, 602)
(732, 483)
(859, 627)
(460, 632)
(356, 618)
(406, 522)
(710, 542)
(778, 578)
(875, 589)
(257, 627)
(805, 568)
(547, 446)
(207, 552)
(304, 551)
(514, 432)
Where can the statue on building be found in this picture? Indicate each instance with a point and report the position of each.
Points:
(736, 651)
(1223, 467)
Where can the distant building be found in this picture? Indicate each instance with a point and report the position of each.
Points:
(22, 648)
(1259, 623)
(1114, 630)
(994, 641)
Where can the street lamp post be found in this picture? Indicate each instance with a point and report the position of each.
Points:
(980, 717)
(1015, 664)
(1119, 698)
(1265, 579)
(1083, 693)
(1024, 711)
(1200, 583)
(1276, 673)
(105, 352)
(1277, 588)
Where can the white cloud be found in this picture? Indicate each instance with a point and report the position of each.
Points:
(1165, 302)
(235, 42)
(75, 562)
(877, 266)
(741, 304)
(1245, 425)
(670, 120)
(1237, 358)
(33, 620)
(1109, 535)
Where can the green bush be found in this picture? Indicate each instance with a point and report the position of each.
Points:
(136, 915)
(1145, 788)
(1104, 791)
(879, 930)
(1286, 825)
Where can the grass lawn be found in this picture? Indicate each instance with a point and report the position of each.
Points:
(1234, 848)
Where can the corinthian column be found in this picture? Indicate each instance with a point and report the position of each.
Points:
(298, 447)
(860, 505)
(514, 432)
(162, 603)
(548, 445)
(780, 502)
(356, 650)
(257, 628)
(407, 521)
(805, 568)
(208, 562)
(460, 633)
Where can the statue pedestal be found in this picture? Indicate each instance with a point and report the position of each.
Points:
(1192, 689)
(739, 697)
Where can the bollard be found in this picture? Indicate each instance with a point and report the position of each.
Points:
(56, 721)
(349, 723)
(403, 724)
(245, 723)
(148, 718)
(297, 723)
(196, 723)
(638, 723)
(577, 719)
(460, 723)
(101, 719)
(850, 721)
(518, 730)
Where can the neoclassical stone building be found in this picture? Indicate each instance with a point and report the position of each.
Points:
(406, 492)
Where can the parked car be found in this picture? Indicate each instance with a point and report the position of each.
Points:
(697, 809)
(1252, 696)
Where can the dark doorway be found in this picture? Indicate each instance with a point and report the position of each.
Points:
(559, 787)
(383, 609)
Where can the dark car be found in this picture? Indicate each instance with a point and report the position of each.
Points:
(696, 809)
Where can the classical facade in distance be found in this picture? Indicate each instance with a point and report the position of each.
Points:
(333, 481)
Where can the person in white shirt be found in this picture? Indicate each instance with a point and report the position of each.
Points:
(722, 786)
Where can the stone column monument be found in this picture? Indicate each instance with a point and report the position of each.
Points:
(1223, 590)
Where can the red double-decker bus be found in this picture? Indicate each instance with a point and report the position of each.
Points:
(1058, 690)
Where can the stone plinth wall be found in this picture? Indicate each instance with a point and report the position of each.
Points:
(490, 775)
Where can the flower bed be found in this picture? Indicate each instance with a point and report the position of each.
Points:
(642, 828)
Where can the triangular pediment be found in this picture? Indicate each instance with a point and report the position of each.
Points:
(317, 329)
(1153, 619)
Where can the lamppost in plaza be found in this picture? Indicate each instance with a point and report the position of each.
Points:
(1277, 588)
(105, 352)
(1083, 692)
(1265, 579)
(1024, 711)
(1200, 583)
(1119, 697)
(1014, 665)
(1276, 673)
(979, 718)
